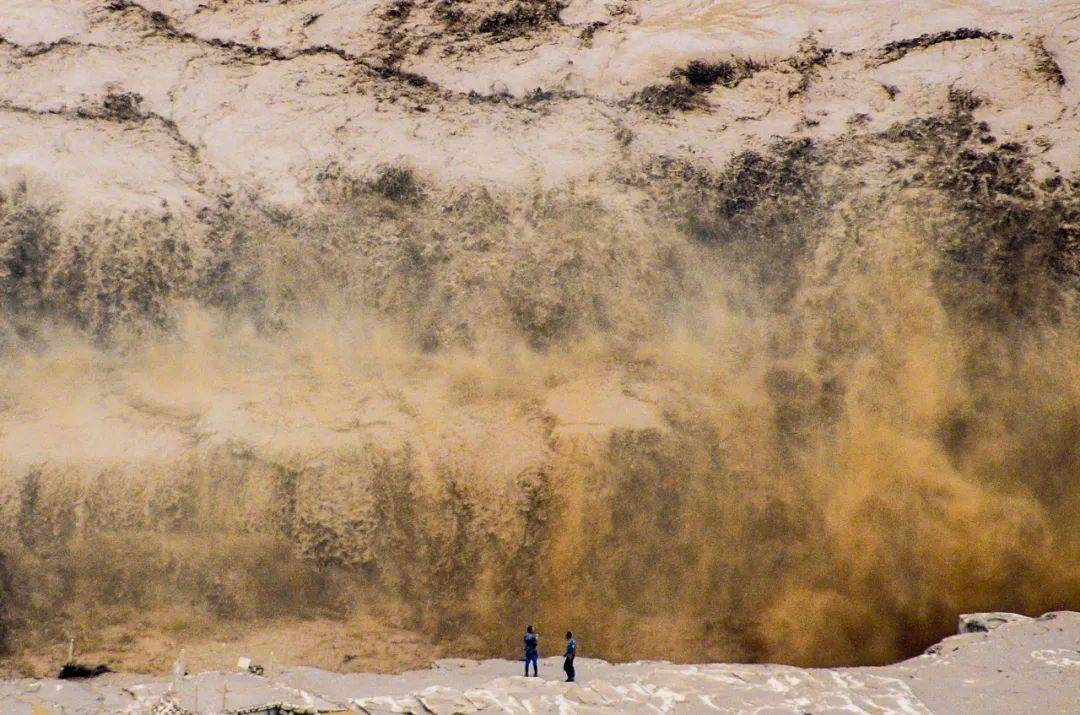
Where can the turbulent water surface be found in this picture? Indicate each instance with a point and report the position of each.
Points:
(765, 356)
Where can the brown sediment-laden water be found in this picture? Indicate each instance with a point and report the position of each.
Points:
(803, 404)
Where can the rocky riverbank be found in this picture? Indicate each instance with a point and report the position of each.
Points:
(999, 663)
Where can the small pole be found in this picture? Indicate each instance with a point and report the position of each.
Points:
(224, 692)
(179, 669)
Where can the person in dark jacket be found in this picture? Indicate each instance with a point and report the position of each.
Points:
(568, 657)
(532, 650)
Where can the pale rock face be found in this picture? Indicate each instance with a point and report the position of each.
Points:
(984, 622)
(1024, 665)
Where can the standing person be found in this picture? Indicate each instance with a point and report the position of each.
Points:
(532, 652)
(568, 657)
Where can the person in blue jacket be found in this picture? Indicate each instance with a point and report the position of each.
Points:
(568, 657)
(532, 650)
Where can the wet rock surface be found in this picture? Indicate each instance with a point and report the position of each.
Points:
(1023, 665)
